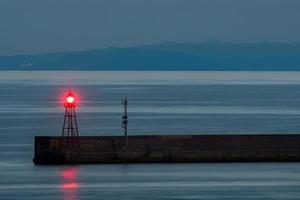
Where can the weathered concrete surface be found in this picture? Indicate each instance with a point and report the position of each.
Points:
(179, 148)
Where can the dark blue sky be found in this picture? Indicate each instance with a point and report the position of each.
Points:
(38, 26)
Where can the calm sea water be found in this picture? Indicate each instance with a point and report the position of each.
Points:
(159, 103)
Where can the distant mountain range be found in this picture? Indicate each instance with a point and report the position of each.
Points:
(210, 55)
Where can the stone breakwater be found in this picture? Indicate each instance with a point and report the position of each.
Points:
(168, 149)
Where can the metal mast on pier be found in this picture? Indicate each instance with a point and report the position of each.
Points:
(125, 123)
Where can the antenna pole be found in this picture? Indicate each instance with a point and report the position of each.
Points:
(125, 123)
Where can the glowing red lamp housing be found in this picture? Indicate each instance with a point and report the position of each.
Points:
(70, 101)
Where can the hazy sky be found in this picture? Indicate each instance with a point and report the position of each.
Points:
(38, 26)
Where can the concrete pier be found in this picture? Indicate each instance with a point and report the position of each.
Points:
(172, 148)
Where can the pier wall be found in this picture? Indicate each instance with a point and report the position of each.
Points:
(172, 148)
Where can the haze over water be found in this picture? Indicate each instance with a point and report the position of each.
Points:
(159, 103)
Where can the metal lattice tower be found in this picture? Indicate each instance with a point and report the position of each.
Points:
(70, 127)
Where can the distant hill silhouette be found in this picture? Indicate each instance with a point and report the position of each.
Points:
(210, 55)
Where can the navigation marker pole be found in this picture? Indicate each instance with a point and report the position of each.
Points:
(125, 123)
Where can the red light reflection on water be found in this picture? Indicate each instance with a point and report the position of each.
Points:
(66, 186)
(69, 185)
(69, 173)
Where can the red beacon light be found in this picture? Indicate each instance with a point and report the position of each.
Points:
(70, 101)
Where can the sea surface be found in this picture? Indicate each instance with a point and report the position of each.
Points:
(31, 103)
